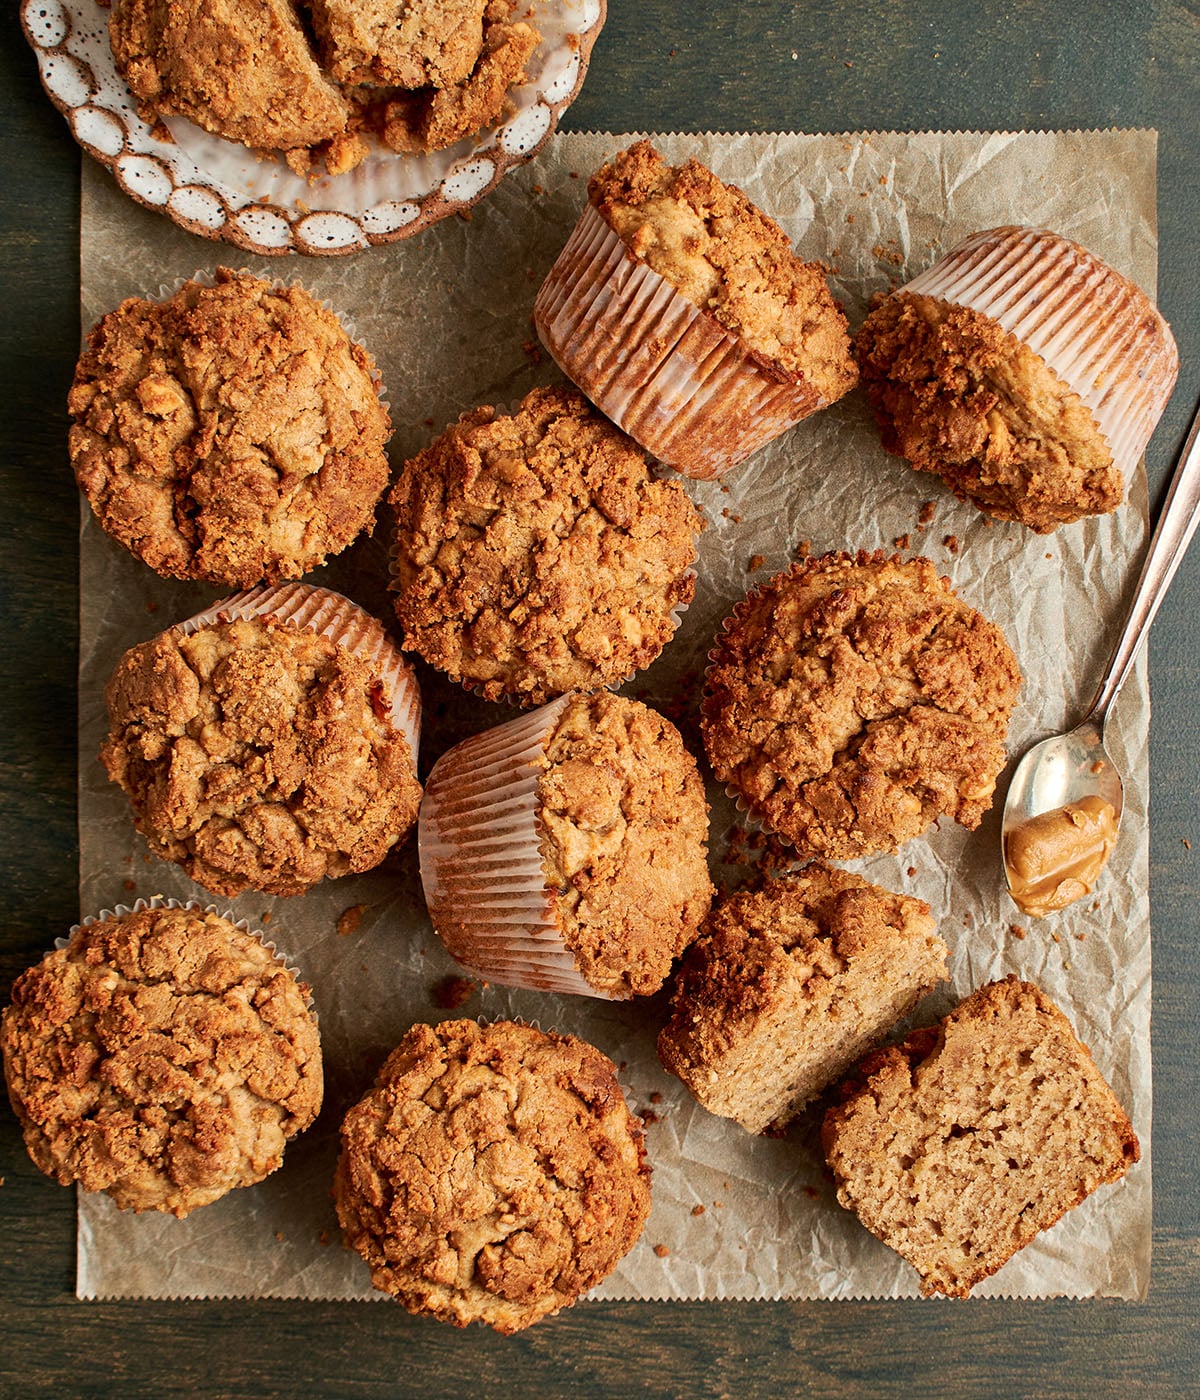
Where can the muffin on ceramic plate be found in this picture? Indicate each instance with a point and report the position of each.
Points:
(493, 1174)
(566, 849)
(232, 433)
(164, 1055)
(683, 313)
(536, 552)
(268, 743)
(853, 699)
(1022, 370)
(788, 984)
(959, 1145)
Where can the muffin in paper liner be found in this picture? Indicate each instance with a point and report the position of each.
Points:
(165, 1069)
(1096, 332)
(485, 835)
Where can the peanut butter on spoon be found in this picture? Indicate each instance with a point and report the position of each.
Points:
(1054, 858)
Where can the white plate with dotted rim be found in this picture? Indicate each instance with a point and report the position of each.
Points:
(220, 190)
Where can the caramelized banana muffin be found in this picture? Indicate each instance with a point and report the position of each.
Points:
(164, 1056)
(958, 1146)
(566, 850)
(788, 984)
(493, 1174)
(1022, 370)
(232, 433)
(536, 553)
(854, 699)
(258, 754)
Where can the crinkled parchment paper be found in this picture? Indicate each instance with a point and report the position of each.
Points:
(447, 316)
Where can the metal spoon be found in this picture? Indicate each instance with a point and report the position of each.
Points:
(1070, 767)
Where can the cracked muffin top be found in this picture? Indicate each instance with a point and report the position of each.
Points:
(164, 1056)
(955, 394)
(729, 258)
(258, 756)
(493, 1174)
(536, 553)
(854, 699)
(400, 43)
(231, 433)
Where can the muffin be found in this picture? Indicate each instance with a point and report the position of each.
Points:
(232, 433)
(854, 699)
(959, 1145)
(268, 743)
(788, 985)
(536, 553)
(566, 850)
(493, 1174)
(164, 1056)
(682, 312)
(400, 43)
(1023, 371)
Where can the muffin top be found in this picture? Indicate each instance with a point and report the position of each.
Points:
(164, 1056)
(957, 395)
(401, 43)
(243, 69)
(258, 756)
(231, 433)
(493, 1174)
(536, 554)
(623, 828)
(853, 699)
(727, 257)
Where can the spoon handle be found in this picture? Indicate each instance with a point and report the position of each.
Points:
(1176, 525)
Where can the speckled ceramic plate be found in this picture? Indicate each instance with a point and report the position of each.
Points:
(221, 190)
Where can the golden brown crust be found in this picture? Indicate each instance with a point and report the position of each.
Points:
(789, 983)
(959, 1145)
(242, 69)
(729, 258)
(164, 1057)
(401, 43)
(493, 1174)
(231, 433)
(957, 395)
(854, 699)
(536, 554)
(258, 756)
(624, 825)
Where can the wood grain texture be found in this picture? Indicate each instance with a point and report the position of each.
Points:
(658, 65)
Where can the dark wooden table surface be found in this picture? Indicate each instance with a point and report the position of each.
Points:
(659, 65)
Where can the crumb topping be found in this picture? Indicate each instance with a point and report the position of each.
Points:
(624, 825)
(493, 1174)
(726, 256)
(164, 1057)
(536, 554)
(258, 756)
(957, 395)
(854, 698)
(402, 43)
(232, 433)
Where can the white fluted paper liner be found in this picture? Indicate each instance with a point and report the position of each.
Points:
(1096, 330)
(662, 369)
(331, 615)
(481, 864)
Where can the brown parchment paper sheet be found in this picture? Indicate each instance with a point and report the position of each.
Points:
(447, 316)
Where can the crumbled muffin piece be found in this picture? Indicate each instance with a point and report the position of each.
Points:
(258, 756)
(479, 100)
(493, 1174)
(959, 1145)
(726, 256)
(957, 395)
(243, 69)
(164, 1056)
(399, 43)
(231, 433)
(854, 699)
(536, 554)
(788, 985)
(623, 824)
